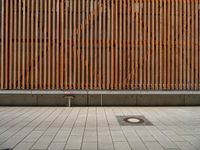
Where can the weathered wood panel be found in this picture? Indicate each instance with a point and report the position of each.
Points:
(100, 44)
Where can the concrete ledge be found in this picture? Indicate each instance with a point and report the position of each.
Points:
(160, 100)
(98, 100)
(97, 92)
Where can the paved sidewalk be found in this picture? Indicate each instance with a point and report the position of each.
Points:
(58, 128)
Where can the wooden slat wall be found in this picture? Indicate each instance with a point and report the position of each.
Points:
(100, 44)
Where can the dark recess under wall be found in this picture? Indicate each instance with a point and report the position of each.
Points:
(95, 100)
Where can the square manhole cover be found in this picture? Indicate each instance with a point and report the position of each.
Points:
(134, 120)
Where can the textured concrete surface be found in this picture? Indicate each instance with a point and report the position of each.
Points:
(97, 100)
(97, 128)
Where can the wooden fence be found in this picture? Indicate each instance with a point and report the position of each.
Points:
(100, 44)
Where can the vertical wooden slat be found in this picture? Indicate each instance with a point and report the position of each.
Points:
(66, 43)
(32, 45)
(149, 48)
(45, 47)
(165, 45)
(10, 43)
(14, 44)
(79, 46)
(168, 44)
(23, 42)
(192, 44)
(74, 45)
(95, 43)
(104, 44)
(83, 45)
(6, 44)
(108, 46)
(185, 44)
(36, 43)
(53, 43)
(145, 42)
(61, 40)
(116, 45)
(161, 44)
(196, 44)
(57, 44)
(87, 46)
(188, 44)
(133, 45)
(137, 45)
(112, 45)
(177, 44)
(181, 46)
(172, 45)
(141, 50)
(120, 44)
(41, 43)
(124, 44)
(28, 46)
(2, 43)
(19, 46)
(91, 45)
(49, 45)
(153, 47)
(128, 44)
(157, 45)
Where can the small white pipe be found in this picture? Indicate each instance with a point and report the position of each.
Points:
(69, 102)
(101, 100)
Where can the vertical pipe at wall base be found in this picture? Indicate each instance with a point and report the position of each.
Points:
(69, 102)
(36, 100)
(101, 100)
(136, 100)
(185, 100)
(69, 99)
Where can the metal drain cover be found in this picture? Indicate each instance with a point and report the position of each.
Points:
(133, 121)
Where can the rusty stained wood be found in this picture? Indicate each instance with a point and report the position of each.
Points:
(197, 59)
(128, 83)
(177, 46)
(172, 71)
(181, 46)
(66, 45)
(151, 81)
(19, 47)
(132, 43)
(192, 43)
(41, 43)
(161, 45)
(10, 45)
(169, 46)
(142, 56)
(148, 60)
(157, 45)
(2, 43)
(53, 44)
(15, 47)
(99, 44)
(36, 43)
(112, 45)
(27, 71)
(49, 45)
(124, 76)
(108, 42)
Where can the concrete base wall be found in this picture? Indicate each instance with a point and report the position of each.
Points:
(97, 100)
